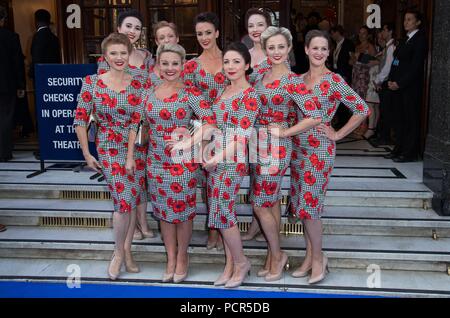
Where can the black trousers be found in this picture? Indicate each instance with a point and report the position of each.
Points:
(7, 104)
(387, 113)
(22, 116)
(407, 121)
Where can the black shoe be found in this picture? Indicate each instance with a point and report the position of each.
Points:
(37, 155)
(392, 155)
(379, 142)
(402, 158)
(6, 159)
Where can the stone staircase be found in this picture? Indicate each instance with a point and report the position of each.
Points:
(380, 235)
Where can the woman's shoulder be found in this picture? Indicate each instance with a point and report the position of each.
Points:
(91, 79)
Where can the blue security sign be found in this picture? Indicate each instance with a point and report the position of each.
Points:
(57, 90)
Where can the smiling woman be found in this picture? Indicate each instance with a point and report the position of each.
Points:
(115, 97)
(130, 24)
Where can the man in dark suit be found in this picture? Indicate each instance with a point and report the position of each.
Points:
(45, 47)
(12, 84)
(341, 53)
(406, 80)
(339, 61)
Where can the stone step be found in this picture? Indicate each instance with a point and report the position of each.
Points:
(336, 219)
(396, 193)
(344, 251)
(387, 283)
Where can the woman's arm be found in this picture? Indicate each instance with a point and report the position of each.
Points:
(302, 126)
(84, 144)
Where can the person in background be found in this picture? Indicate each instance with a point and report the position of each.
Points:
(257, 21)
(386, 112)
(45, 47)
(406, 84)
(164, 33)
(343, 48)
(362, 61)
(12, 84)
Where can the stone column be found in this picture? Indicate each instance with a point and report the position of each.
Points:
(437, 147)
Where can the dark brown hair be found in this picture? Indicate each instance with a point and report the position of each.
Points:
(255, 11)
(316, 34)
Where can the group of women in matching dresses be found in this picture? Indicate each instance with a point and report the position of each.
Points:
(278, 119)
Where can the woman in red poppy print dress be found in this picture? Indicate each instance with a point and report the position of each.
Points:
(236, 110)
(319, 90)
(172, 181)
(257, 21)
(115, 98)
(273, 154)
(164, 33)
(205, 72)
(130, 24)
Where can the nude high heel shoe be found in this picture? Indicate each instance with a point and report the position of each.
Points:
(245, 271)
(178, 278)
(113, 275)
(277, 276)
(130, 265)
(167, 277)
(298, 273)
(321, 277)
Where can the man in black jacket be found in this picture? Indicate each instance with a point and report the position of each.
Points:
(339, 61)
(341, 53)
(406, 80)
(45, 47)
(12, 84)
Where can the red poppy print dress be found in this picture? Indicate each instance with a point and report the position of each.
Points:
(142, 71)
(172, 183)
(260, 70)
(117, 114)
(273, 155)
(313, 153)
(153, 79)
(237, 115)
(195, 75)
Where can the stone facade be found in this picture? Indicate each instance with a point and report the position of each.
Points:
(437, 150)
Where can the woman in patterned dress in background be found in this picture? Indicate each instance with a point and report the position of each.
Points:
(115, 99)
(236, 110)
(164, 33)
(320, 92)
(257, 21)
(130, 24)
(205, 72)
(172, 183)
(274, 154)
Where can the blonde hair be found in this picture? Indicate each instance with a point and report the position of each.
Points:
(174, 48)
(272, 31)
(164, 24)
(116, 38)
